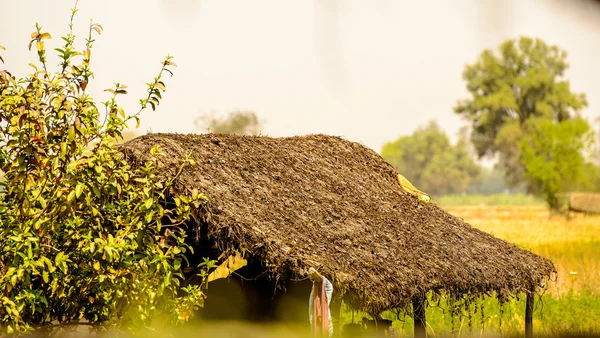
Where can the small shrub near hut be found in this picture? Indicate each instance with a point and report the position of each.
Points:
(82, 238)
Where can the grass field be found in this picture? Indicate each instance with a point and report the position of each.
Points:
(489, 200)
(571, 304)
(572, 301)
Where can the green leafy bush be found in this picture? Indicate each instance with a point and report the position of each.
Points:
(83, 237)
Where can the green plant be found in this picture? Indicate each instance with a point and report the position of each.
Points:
(85, 237)
(523, 79)
(551, 153)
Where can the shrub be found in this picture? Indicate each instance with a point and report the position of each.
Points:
(82, 233)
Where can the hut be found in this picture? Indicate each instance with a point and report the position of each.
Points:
(322, 201)
(582, 202)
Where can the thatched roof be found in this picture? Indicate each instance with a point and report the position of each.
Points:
(584, 202)
(322, 201)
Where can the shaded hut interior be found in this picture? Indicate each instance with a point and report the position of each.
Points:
(251, 294)
(320, 201)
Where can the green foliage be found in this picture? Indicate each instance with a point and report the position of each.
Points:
(552, 155)
(524, 80)
(431, 162)
(512, 90)
(236, 122)
(83, 235)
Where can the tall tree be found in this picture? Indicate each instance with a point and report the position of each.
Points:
(523, 79)
(431, 162)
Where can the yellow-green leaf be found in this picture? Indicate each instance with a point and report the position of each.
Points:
(232, 263)
(78, 190)
(42, 202)
(71, 133)
(148, 203)
(45, 276)
(71, 196)
(149, 217)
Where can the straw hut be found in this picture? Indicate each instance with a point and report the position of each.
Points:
(336, 205)
(584, 202)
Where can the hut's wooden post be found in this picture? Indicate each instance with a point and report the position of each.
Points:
(419, 316)
(529, 314)
(336, 307)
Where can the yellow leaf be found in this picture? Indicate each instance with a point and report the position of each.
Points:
(34, 35)
(78, 190)
(98, 28)
(148, 203)
(424, 198)
(71, 133)
(39, 45)
(409, 188)
(97, 266)
(160, 86)
(233, 263)
(45, 36)
(86, 54)
(2, 47)
(71, 196)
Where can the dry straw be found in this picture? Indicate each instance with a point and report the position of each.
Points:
(323, 201)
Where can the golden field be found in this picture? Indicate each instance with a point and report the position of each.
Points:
(573, 245)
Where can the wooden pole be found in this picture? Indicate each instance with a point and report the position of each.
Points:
(336, 307)
(419, 316)
(529, 314)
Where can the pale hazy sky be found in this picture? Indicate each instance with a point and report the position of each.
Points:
(369, 71)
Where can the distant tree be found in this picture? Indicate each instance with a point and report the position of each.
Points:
(552, 154)
(236, 122)
(524, 79)
(431, 162)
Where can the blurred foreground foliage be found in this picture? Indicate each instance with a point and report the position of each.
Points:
(84, 237)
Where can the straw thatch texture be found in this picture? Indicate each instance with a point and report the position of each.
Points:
(322, 201)
(585, 202)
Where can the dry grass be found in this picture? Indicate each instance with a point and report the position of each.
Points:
(573, 246)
